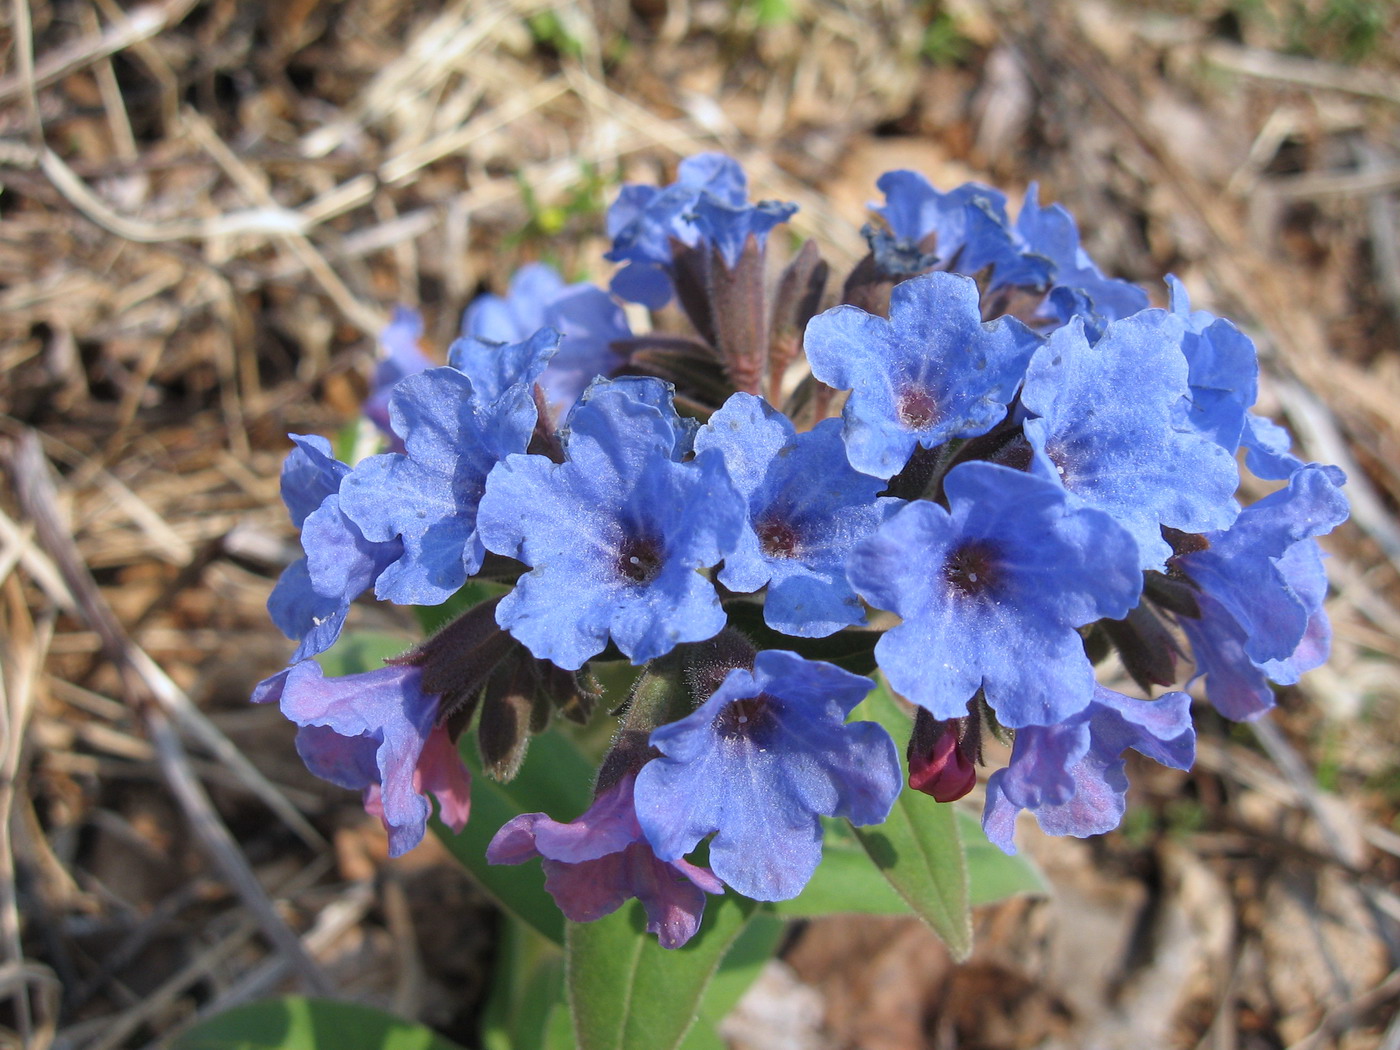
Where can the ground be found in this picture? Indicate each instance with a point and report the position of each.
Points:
(209, 209)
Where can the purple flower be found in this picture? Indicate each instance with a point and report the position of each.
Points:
(1071, 775)
(617, 535)
(314, 593)
(806, 509)
(1106, 429)
(428, 496)
(1260, 587)
(757, 764)
(441, 773)
(930, 373)
(992, 591)
(938, 764)
(375, 733)
(1051, 232)
(708, 202)
(595, 863)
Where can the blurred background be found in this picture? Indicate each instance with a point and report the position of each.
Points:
(208, 210)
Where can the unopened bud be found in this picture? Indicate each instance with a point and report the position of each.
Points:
(938, 765)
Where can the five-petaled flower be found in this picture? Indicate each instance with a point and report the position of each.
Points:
(992, 592)
(758, 763)
(616, 536)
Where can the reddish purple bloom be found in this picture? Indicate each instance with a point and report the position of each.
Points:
(376, 732)
(941, 770)
(594, 864)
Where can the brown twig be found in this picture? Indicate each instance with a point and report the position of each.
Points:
(150, 692)
(1306, 72)
(140, 24)
(21, 656)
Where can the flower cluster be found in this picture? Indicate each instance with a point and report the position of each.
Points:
(982, 468)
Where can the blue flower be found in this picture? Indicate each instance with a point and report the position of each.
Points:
(1222, 372)
(641, 223)
(375, 733)
(617, 535)
(313, 594)
(518, 314)
(428, 497)
(930, 373)
(403, 356)
(806, 509)
(1268, 445)
(990, 245)
(648, 404)
(965, 230)
(1071, 775)
(708, 202)
(592, 323)
(1107, 431)
(1260, 587)
(758, 764)
(500, 369)
(595, 863)
(1051, 232)
(991, 592)
(728, 227)
(1064, 305)
(916, 212)
(589, 320)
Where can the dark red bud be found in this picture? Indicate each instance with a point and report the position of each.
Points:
(937, 765)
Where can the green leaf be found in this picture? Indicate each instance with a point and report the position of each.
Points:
(846, 882)
(991, 874)
(774, 12)
(295, 1023)
(358, 651)
(555, 779)
(526, 1009)
(740, 968)
(918, 848)
(626, 992)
